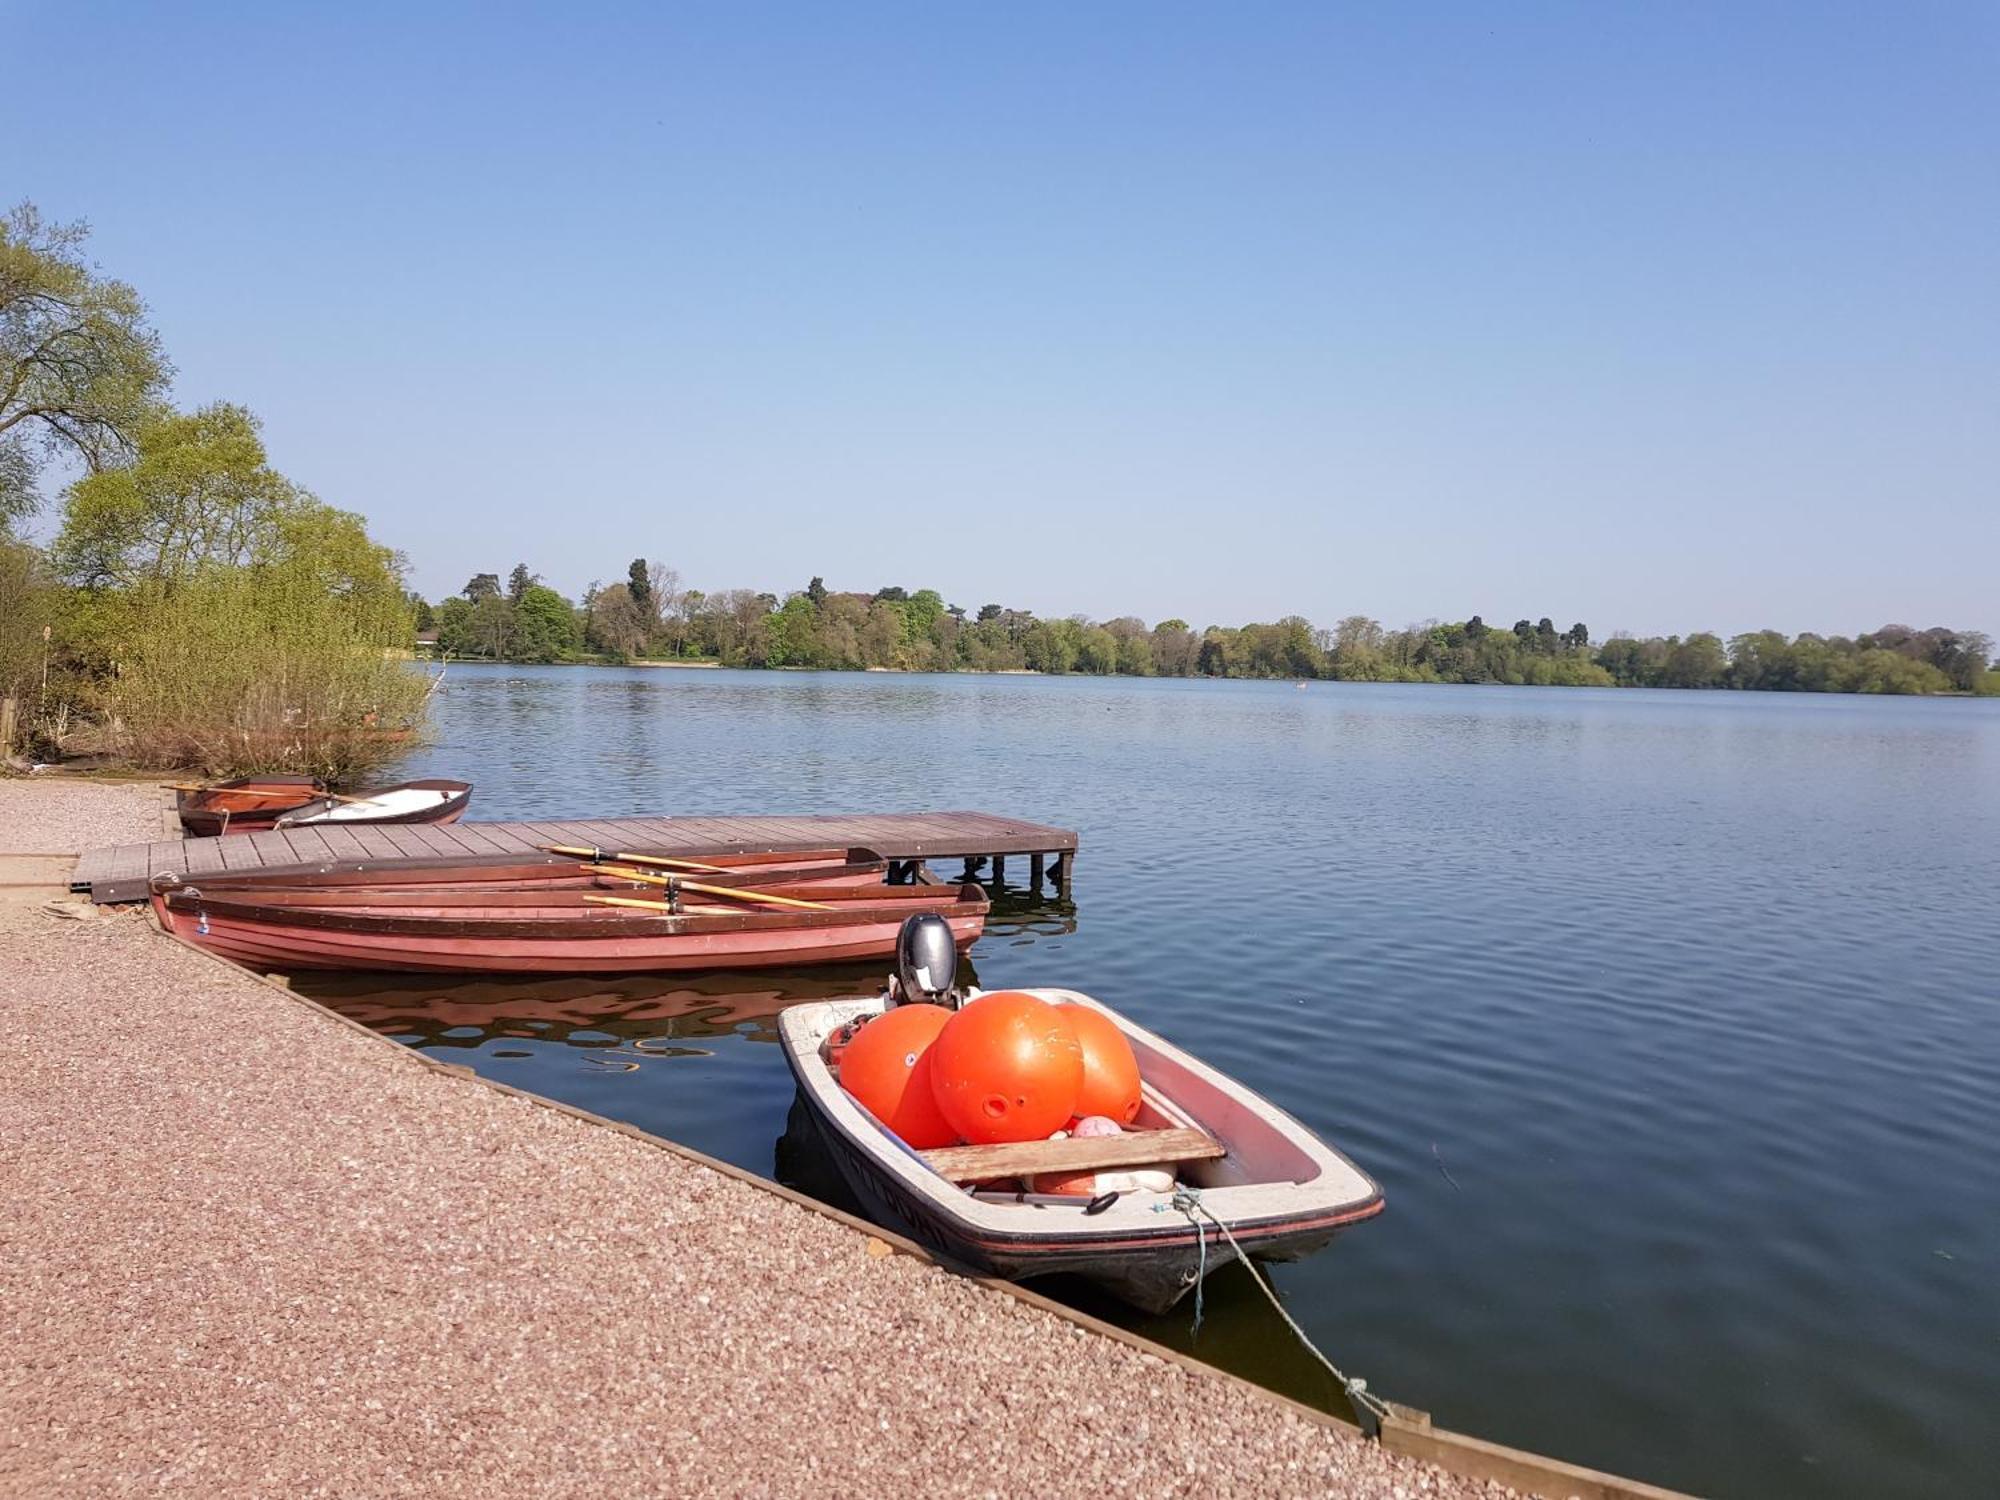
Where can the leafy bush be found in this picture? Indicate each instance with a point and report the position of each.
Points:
(265, 668)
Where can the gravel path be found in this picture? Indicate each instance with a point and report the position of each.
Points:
(49, 815)
(247, 1250)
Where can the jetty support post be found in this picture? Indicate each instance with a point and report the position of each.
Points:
(1065, 868)
(1035, 873)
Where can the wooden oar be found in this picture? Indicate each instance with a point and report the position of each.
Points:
(598, 856)
(732, 892)
(628, 901)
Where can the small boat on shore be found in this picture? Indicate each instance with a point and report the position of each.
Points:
(252, 804)
(1245, 1176)
(707, 924)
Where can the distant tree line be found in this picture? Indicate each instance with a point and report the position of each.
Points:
(648, 615)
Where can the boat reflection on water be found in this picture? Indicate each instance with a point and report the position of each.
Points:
(634, 1012)
(630, 1014)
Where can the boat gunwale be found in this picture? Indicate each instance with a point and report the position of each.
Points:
(866, 907)
(447, 809)
(392, 871)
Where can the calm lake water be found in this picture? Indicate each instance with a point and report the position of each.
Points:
(1670, 1022)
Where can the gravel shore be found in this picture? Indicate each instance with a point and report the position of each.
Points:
(248, 1250)
(51, 815)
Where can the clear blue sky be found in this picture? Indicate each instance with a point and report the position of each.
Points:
(1662, 318)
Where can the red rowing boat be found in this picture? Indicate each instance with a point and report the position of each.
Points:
(543, 930)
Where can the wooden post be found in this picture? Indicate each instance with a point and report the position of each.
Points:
(999, 870)
(10, 712)
(1065, 868)
(1035, 873)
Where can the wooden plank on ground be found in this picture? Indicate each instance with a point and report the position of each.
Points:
(1135, 1148)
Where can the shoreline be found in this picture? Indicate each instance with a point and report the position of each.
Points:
(1582, 687)
(293, 1223)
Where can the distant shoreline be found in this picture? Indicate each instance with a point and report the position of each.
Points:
(1594, 687)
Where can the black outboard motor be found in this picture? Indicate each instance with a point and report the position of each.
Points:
(926, 961)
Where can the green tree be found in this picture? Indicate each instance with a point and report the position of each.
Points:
(639, 586)
(80, 370)
(200, 491)
(493, 627)
(454, 627)
(792, 634)
(482, 586)
(519, 582)
(545, 628)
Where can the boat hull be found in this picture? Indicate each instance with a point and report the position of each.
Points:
(1151, 1273)
(503, 940)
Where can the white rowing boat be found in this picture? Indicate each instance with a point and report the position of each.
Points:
(1238, 1162)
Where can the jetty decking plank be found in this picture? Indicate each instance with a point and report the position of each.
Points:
(121, 873)
(449, 836)
(240, 853)
(342, 843)
(410, 843)
(298, 843)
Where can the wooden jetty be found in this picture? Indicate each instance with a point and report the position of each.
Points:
(906, 840)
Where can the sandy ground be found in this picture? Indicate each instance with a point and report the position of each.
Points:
(248, 1250)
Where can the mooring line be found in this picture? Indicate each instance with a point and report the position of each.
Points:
(1369, 1409)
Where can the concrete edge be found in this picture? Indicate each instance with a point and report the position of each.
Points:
(1407, 1431)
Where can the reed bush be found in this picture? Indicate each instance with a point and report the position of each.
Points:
(32, 674)
(265, 668)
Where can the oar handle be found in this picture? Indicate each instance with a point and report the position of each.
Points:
(628, 901)
(598, 856)
(738, 893)
(731, 892)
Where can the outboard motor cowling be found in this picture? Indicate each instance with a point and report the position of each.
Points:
(926, 959)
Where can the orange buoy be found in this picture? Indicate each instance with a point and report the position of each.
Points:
(1007, 1068)
(1110, 1071)
(887, 1067)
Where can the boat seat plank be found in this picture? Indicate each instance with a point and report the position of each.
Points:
(1137, 1148)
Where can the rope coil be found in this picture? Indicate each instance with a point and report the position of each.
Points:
(1369, 1409)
